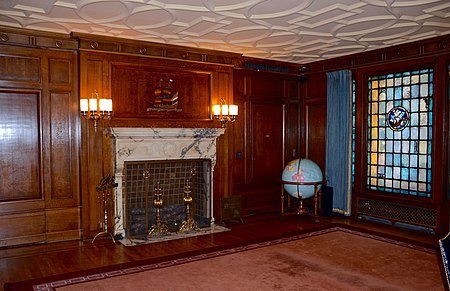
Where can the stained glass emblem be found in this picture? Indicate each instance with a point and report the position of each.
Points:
(398, 118)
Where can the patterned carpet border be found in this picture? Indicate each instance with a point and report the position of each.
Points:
(49, 286)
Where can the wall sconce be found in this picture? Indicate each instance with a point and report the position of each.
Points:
(96, 108)
(224, 113)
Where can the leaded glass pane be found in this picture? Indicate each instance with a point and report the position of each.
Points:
(400, 132)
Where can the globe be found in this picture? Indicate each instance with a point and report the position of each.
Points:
(301, 170)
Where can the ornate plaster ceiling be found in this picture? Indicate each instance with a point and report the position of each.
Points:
(298, 31)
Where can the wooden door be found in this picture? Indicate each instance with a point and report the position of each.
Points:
(267, 142)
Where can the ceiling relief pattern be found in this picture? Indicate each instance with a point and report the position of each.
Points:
(300, 31)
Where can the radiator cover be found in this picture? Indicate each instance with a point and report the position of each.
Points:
(397, 212)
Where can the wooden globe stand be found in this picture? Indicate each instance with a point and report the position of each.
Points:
(300, 210)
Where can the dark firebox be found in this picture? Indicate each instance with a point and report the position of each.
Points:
(141, 179)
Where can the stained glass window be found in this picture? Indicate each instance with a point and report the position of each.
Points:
(400, 111)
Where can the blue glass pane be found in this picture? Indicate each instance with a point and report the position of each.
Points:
(389, 93)
(382, 108)
(389, 159)
(414, 132)
(414, 91)
(406, 133)
(397, 146)
(406, 104)
(424, 90)
(413, 174)
(382, 133)
(413, 161)
(415, 105)
(414, 119)
(398, 93)
(389, 172)
(412, 147)
(397, 161)
(389, 134)
(405, 160)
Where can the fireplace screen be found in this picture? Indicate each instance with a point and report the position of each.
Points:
(140, 180)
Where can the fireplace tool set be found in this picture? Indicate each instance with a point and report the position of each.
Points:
(105, 196)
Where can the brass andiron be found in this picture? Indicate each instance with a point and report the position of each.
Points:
(159, 228)
(105, 198)
(189, 223)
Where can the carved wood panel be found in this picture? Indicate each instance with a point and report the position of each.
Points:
(156, 92)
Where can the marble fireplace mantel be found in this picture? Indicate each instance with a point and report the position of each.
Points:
(146, 144)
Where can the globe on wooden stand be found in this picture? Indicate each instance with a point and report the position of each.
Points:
(301, 179)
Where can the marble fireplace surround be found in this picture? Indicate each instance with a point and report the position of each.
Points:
(149, 144)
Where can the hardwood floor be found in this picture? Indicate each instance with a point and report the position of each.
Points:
(36, 261)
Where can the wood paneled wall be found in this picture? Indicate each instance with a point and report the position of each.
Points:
(39, 146)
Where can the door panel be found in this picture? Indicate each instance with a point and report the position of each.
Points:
(267, 142)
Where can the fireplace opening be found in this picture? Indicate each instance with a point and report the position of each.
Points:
(140, 180)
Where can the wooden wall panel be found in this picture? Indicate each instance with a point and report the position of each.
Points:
(267, 86)
(22, 228)
(240, 161)
(292, 132)
(63, 224)
(20, 68)
(316, 120)
(60, 71)
(38, 144)
(19, 146)
(315, 86)
(60, 147)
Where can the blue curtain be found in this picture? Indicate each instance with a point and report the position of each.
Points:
(338, 146)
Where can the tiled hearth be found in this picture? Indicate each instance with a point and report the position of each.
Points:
(139, 149)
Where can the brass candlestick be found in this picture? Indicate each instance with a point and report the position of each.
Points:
(160, 228)
(189, 223)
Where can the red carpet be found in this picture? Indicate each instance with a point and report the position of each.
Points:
(331, 259)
